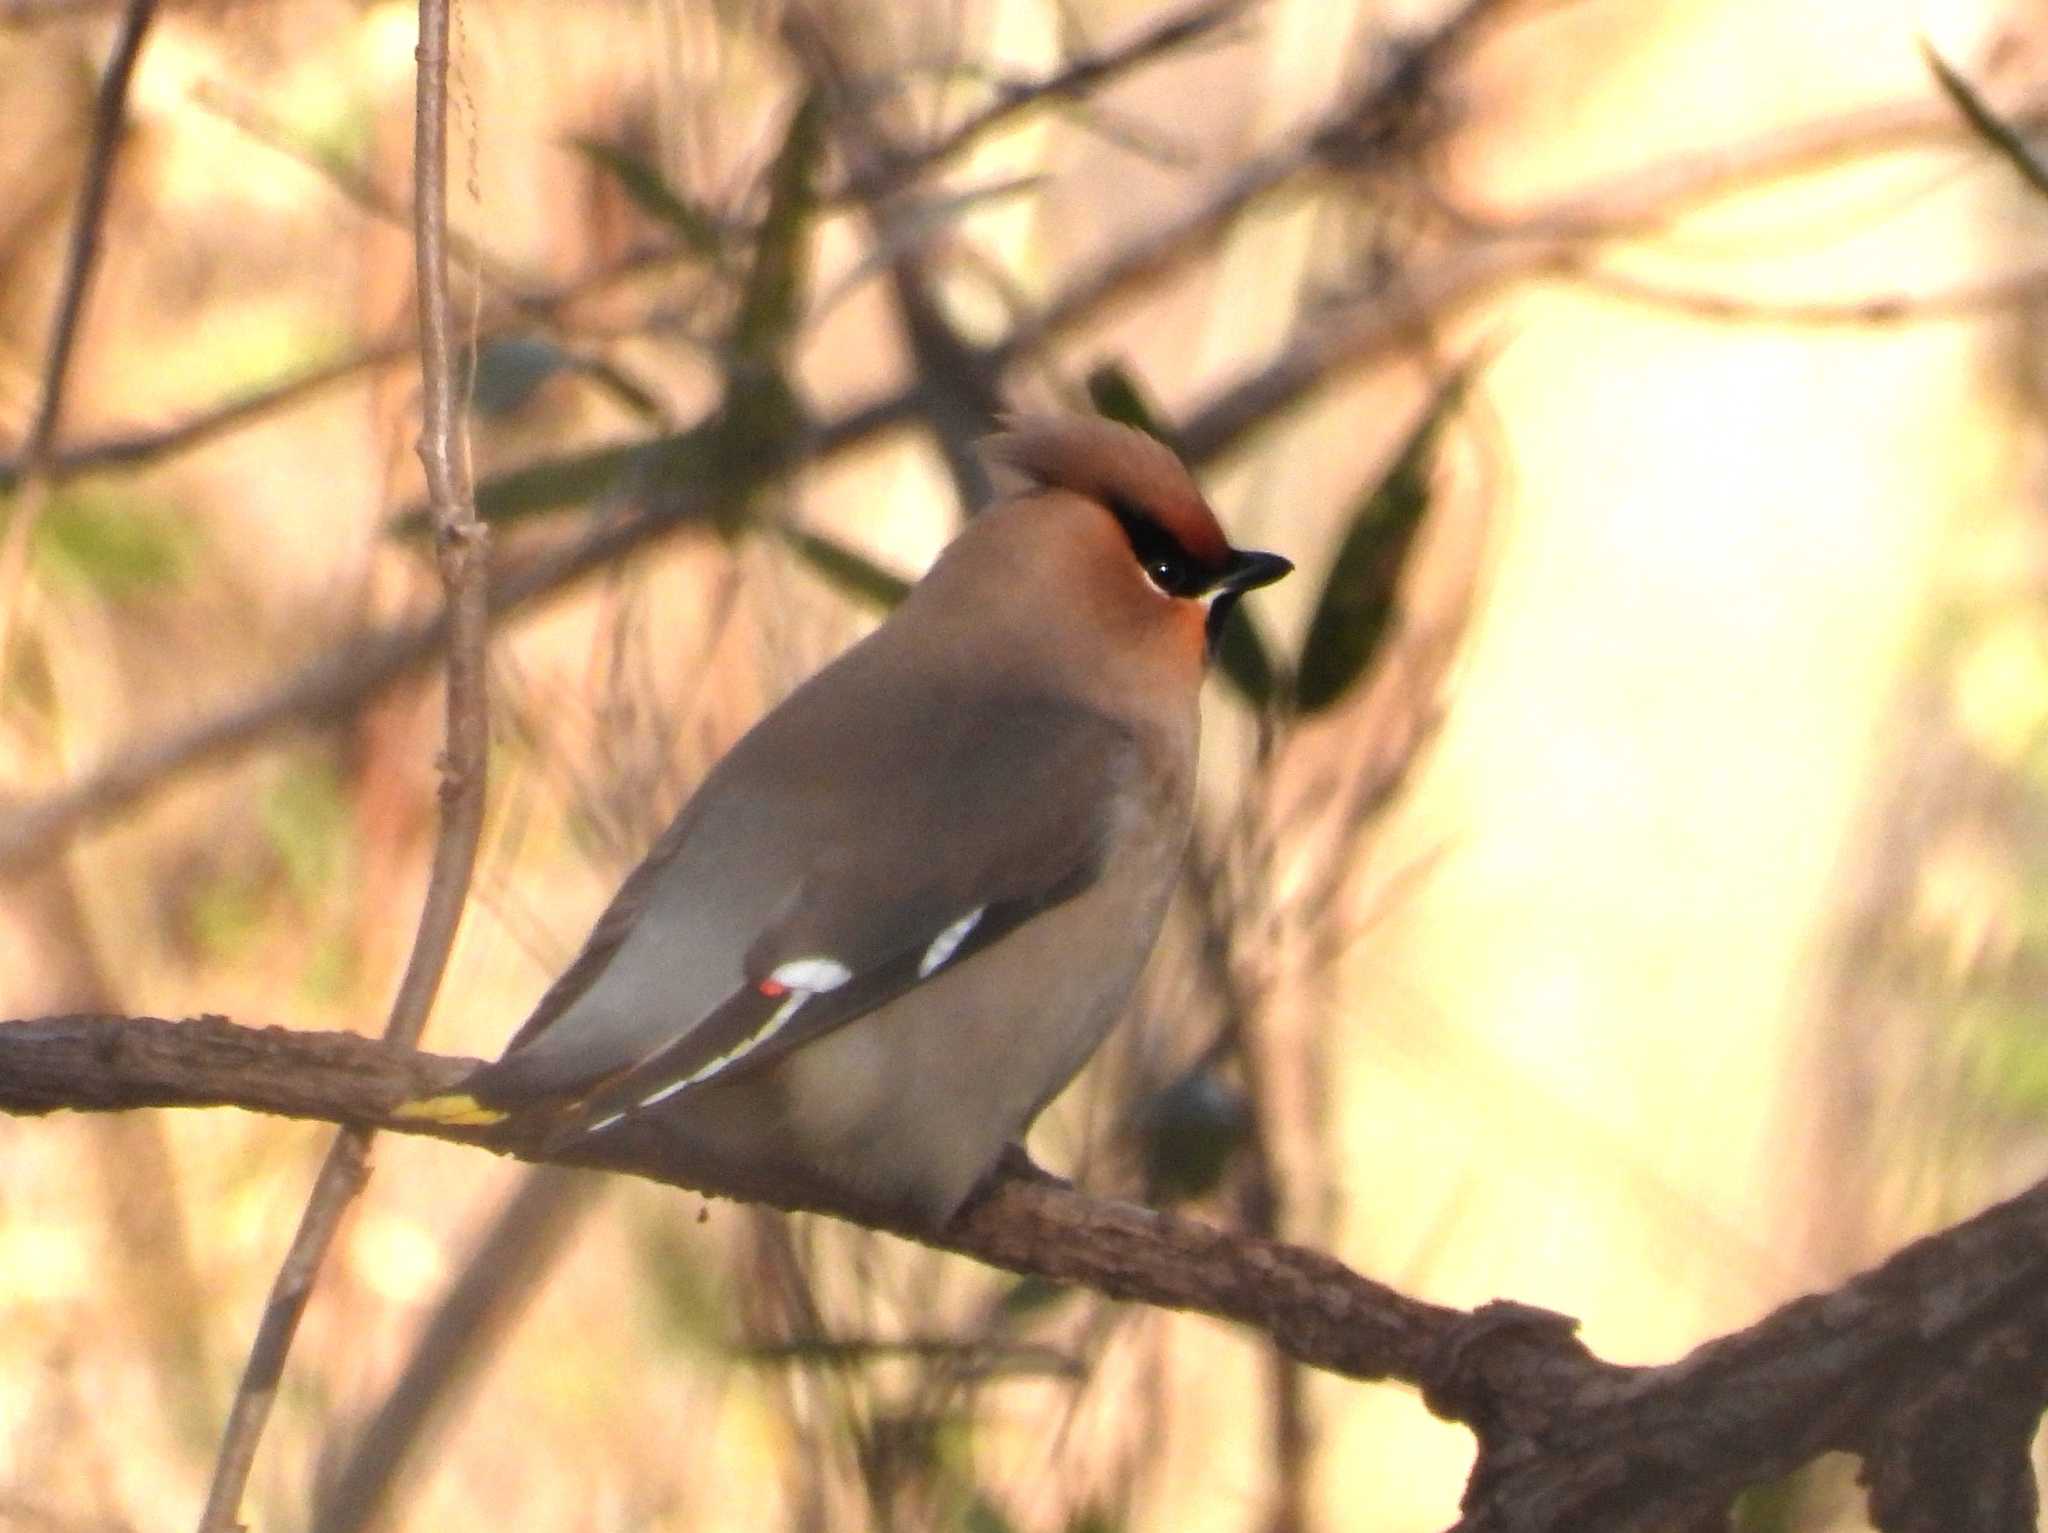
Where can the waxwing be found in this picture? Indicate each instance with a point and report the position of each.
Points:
(901, 913)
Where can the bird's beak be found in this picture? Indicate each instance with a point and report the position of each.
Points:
(1244, 572)
(1247, 571)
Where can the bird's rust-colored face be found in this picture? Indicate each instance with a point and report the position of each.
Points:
(1172, 533)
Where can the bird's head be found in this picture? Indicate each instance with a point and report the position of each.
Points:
(1126, 519)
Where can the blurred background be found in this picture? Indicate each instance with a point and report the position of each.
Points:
(1620, 884)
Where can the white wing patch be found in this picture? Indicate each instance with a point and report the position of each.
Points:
(947, 942)
(811, 974)
(797, 981)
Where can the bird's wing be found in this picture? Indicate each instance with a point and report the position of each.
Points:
(940, 840)
(612, 929)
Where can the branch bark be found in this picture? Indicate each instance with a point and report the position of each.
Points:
(1933, 1366)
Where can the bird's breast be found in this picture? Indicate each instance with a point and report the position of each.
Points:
(917, 1100)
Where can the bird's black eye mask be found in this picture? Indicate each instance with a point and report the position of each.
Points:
(1176, 572)
(1166, 564)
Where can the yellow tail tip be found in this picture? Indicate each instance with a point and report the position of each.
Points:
(457, 1108)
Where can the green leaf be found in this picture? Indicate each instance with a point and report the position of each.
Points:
(1774, 1506)
(1244, 659)
(223, 916)
(306, 818)
(1993, 129)
(1357, 606)
(623, 387)
(113, 545)
(650, 192)
(1188, 1132)
(768, 307)
(760, 419)
(1116, 394)
(690, 1310)
(851, 571)
(982, 1515)
(1030, 1297)
(2008, 1063)
(557, 482)
(331, 970)
(510, 370)
(1090, 1518)
(575, 479)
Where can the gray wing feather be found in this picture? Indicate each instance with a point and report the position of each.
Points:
(862, 852)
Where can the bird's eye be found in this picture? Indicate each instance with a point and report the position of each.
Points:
(1169, 572)
(1165, 563)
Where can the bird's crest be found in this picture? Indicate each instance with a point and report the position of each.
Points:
(1124, 469)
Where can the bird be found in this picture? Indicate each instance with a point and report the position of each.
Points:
(901, 912)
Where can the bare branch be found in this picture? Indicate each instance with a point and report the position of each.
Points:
(958, 383)
(339, 681)
(1963, 301)
(1640, 202)
(460, 545)
(1567, 1442)
(1992, 128)
(133, 449)
(1073, 81)
(1552, 241)
(109, 118)
(354, 185)
(1355, 128)
(498, 1276)
(81, 260)
(1079, 75)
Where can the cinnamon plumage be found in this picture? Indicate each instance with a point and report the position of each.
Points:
(906, 907)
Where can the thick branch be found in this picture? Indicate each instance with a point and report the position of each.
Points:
(1567, 1441)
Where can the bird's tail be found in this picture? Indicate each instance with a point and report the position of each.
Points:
(454, 1108)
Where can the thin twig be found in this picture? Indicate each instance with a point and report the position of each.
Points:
(1647, 199)
(959, 382)
(109, 117)
(335, 683)
(1653, 198)
(460, 546)
(1262, 1204)
(1965, 300)
(1088, 71)
(1072, 81)
(133, 449)
(1991, 127)
(1359, 117)
(1552, 241)
(500, 1274)
(81, 260)
(355, 185)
